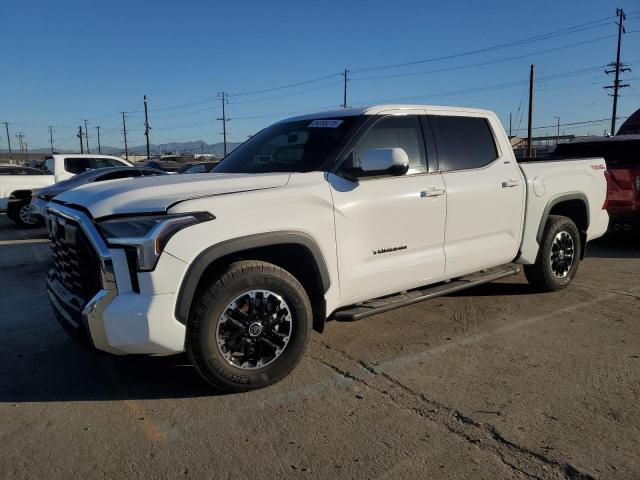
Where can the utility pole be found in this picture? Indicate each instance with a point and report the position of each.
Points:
(86, 135)
(530, 126)
(558, 132)
(26, 152)
(80, 136)
(146, 125)
(124, 131)
(344, 96)
(6, 126)
(619, 67)
(510, 124)
(20, 136)
(224, 119)
(99, 147)
(51, 137)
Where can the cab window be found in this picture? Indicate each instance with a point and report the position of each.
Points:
(107, 162)
(463, 142)
(391, 132)
(49, 165)
(77, 165)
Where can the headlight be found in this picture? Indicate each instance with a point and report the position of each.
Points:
(148, 234)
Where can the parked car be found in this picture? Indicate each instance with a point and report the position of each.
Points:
(16, 190)
(41, 197)
(169, 166)
(340, 214)
(622, 155)
(200, 167)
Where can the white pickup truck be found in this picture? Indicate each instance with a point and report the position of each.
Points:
(341, 215)
(16, 190)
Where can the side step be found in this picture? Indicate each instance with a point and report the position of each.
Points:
(384, 304)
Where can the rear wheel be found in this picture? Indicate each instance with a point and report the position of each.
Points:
(558, 256)
(249, 327)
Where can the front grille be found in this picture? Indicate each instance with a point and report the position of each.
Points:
(76, 263)
(132, 263)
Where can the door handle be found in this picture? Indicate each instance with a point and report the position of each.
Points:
(510, 183)
(432, 192)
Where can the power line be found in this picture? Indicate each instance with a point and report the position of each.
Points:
(565, 31)
(287, 94)
(489, 62)
(282, 87)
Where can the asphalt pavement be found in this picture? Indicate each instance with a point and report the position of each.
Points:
(494, 382)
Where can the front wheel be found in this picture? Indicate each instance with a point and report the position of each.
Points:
(249, 327)
(20, 213)
(558, 257)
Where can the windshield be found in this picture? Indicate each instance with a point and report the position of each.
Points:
(300, 146)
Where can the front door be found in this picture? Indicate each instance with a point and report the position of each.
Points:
(389, 229)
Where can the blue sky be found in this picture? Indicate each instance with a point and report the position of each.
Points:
(64, 61)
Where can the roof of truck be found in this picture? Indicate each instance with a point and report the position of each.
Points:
(379, 109)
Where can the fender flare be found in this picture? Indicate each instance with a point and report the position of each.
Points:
(205, 258)
(555, 201)
(21, 194)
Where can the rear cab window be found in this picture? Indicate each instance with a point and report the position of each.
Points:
(463, 143)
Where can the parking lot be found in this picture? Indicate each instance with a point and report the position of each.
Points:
(496, 382)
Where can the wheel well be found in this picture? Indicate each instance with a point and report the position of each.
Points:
(577, 210)
(296, 259)
(21, 194)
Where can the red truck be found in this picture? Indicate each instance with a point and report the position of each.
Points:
(622, 155)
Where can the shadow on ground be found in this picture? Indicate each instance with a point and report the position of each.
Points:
(11, 231)
(64, 371)
(616, 245)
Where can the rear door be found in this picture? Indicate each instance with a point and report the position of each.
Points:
(485, 193)
(389, 229)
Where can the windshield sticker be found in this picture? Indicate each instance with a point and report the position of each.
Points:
(325, 124)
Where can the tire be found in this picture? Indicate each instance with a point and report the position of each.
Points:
(560, 240)
(218, 330)
(18, 211)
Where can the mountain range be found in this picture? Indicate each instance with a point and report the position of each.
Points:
(177, 148)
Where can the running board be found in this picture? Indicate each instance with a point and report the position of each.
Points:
(384, 304)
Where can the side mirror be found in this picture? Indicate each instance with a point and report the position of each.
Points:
(392, 160)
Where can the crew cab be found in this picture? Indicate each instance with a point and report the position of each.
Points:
(622, 156)
(334, 215)
(16, 189)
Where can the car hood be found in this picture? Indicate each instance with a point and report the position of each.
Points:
(157, 194)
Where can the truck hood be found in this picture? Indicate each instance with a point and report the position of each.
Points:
(157, 194)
